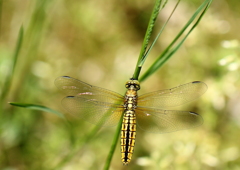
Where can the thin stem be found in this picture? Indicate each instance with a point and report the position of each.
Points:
(170, 50)
(8, 81)
(160, 32)
(76, 146)
(114, 145)
(147, 38)
(1, 4)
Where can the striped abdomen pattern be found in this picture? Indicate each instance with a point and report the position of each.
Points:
(128, 131)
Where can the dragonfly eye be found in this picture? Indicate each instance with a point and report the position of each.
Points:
(133, 83)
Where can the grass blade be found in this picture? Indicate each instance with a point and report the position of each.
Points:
(76, 148)
(158, 5)
(1, 2)
(114, 145)
(170, 50)
(37, 107)
(86, 140)
(161, 30)
(8, 81)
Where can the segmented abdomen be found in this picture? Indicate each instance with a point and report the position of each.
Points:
(128, 135)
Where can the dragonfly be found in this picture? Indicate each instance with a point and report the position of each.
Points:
(148, 112)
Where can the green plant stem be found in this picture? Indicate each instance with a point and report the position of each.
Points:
(147, 38)
(160, 32)
(8, 81)
(114, 144)
(1, 2)
(170, 50)
(76, 146)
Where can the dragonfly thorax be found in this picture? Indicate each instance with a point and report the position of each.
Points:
(133, 84)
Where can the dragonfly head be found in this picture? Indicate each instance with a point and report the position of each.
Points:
(133, 84)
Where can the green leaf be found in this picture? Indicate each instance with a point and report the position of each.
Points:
(37, 107)
(171, 49)
(14, 61)
(157, 7)
(159, 33)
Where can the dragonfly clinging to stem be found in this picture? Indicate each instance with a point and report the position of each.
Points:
(148, 111)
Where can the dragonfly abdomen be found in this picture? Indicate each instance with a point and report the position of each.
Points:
(128, 135)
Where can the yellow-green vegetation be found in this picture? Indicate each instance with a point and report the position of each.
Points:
(99, 43)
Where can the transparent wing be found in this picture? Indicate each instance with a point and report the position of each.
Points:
(173, 97)
(164, 121)
(96, 112)
(93, 104)
(74, 87)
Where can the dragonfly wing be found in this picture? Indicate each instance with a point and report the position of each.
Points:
(93, 111)
(164, 121)
(93, 104)
(74, 87)
(173, 97)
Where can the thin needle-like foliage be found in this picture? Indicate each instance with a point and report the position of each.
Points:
(159, 4)
(171, 49)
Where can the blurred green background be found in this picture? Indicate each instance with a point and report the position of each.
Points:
(99, 42)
